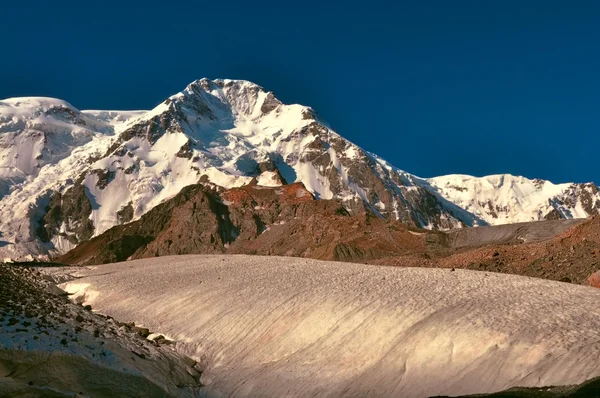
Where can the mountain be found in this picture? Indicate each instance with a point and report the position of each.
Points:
(84, 172)
(253, 219)
(503, 199)
(38, 132)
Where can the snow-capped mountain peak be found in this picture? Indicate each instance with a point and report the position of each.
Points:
(112, 167)
(504, 198)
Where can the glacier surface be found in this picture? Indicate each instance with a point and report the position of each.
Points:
(277, 326)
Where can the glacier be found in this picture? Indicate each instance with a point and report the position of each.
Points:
(277, 326)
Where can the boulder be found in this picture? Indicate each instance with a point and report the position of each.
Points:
(594, 279)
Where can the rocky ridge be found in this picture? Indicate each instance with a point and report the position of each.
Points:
(252, 219)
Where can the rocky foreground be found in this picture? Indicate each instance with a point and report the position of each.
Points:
(588, 389)
(52, 347)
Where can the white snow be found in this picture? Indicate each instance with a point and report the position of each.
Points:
(276, 326)
(45, 144)
(269, 179)
(114, 118)
(512, 198)
(313, 180)
(161, 175)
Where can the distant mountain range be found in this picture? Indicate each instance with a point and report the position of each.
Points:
(67, 176)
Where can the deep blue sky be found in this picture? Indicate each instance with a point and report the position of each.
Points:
(479, 87)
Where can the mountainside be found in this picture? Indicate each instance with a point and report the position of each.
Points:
(45, 144)
(288, 221)
(283, 221)
(84, 172)
(503, 199)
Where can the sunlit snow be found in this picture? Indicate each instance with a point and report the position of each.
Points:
(276, 326)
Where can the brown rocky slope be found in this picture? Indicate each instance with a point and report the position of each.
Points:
(572, 255)
(285, 220)
(288, 221)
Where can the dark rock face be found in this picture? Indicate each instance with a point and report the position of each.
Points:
(185, 151)
(324, 230)
(104, 177)
(271, 166)
(194, 221)
(553, 215)
(586, 193)
(588, 200)
(73, 208)
(152, 129)
(270, 103)
(125, 214)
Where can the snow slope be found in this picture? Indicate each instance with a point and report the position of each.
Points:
(504, 199)
(45, 144)
(276, 326)
(37, 131)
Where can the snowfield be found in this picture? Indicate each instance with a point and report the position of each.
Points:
(505, 199)
(276, 326)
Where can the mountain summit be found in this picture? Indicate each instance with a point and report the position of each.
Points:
(68, 175)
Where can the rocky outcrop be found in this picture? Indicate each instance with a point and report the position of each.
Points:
(52, 347)
(587, 195)
(554, 214)
(594, 279)
(125, 215)
(193, 221)
(67, 215)
(540, 249)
